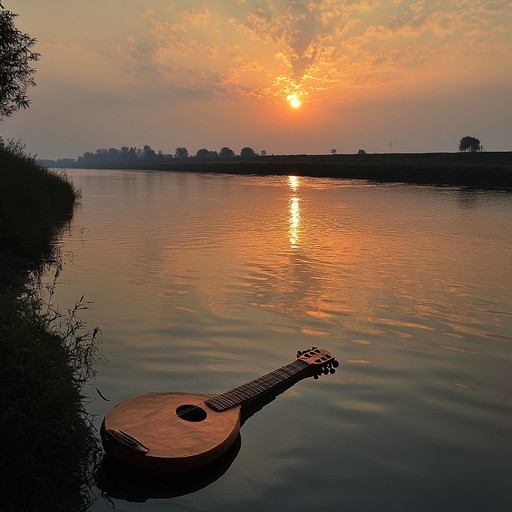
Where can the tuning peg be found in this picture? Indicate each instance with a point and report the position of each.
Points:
(335, 363)
(332, 371)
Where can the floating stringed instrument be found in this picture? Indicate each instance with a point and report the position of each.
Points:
(176, 432)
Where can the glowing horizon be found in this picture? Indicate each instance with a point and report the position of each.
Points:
(420, 74)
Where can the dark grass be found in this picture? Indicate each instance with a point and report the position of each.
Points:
(48, 443)
(34, 203)
(477, 170)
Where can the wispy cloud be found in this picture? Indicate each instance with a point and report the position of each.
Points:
(122, 70)
(269, 49)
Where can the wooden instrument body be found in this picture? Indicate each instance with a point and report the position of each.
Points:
(175, 442)
(176, 432)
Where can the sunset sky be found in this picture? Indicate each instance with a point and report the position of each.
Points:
(405, 76)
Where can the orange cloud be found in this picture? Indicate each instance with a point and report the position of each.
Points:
(271, 49)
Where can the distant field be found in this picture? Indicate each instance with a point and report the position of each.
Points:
(481, 170)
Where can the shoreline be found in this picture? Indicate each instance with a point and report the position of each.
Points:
(46, 356)
(492, 170)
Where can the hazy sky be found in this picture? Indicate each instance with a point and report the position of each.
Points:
(377, 75)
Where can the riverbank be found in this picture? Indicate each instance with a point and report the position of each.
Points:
(45, 358)
(476, 170)
(34, 204)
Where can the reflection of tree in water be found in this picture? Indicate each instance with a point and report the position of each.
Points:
(467, 199)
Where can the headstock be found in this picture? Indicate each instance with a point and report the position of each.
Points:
(321, 361)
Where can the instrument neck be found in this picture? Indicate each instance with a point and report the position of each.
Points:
(257, 387)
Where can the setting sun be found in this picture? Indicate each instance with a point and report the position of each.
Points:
(345, 71)
(294, 101)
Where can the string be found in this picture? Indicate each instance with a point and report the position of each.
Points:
(179, 415)
(272, 384)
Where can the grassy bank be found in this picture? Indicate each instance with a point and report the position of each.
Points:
(34, 203)
(479, 170)
(45, 358)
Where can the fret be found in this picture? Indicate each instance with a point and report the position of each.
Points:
(225, 402)
(236, 394)
(256, 387)
(250, 392)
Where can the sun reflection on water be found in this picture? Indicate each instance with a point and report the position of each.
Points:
(294, 213)
(294, 183)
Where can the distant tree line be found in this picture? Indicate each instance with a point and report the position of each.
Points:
(128, 154)
(125, 154)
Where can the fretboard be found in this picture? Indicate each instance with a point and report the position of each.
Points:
(246, 392)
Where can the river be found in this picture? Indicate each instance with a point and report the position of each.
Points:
(202, 282)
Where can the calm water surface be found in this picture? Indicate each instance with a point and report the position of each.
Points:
(203, 282)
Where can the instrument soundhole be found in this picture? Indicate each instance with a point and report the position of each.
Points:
(191, 413)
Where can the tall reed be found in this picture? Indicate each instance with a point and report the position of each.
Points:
(49, 446)
(34, 203)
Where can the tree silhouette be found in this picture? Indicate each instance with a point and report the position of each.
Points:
(203, 153)
(181, 153)
(247, 153)
(468, 143)
(16, 75)
(226, 152)
(148, 152)
(128, 153)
